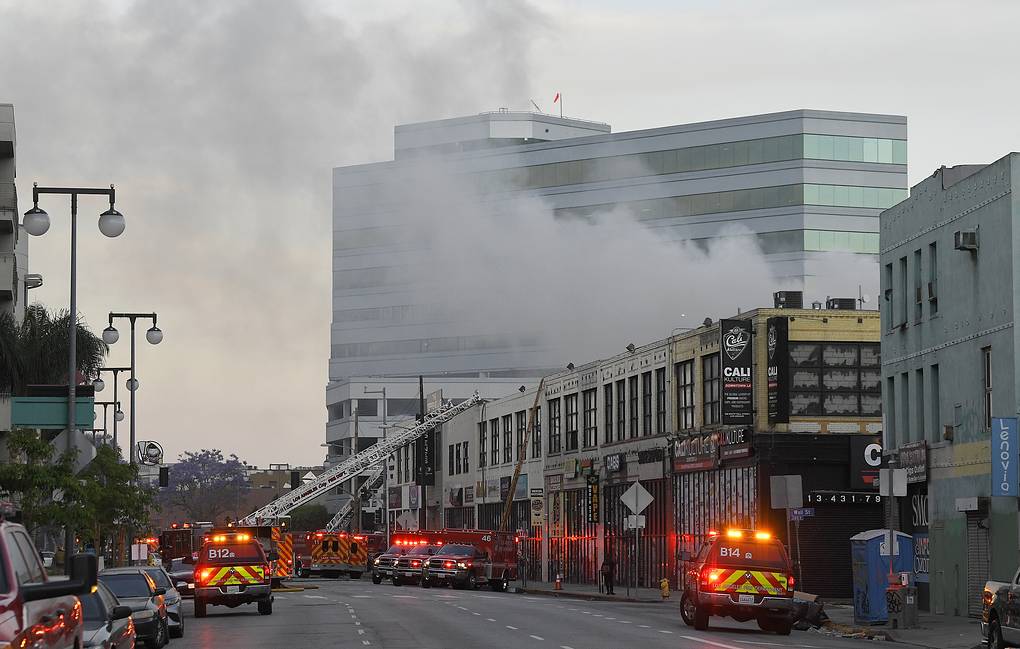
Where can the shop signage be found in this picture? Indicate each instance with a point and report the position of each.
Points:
(504, 488)
(456, 497)
(734, 451)
(424, 456)
(521, 490)
(412, 496)
(557, 513)
(469, 495)
(492, 488)
(650, 456)
(1004, 456)
(553, 482)
(921, 557)
(537, 511)
(615, 462)
(594, 499)
(851, 498)
(777, 337)
(537, 492)
(737, 356)
(919, 510)
(865, 461)
(703, 452)
(570, 468)
(394, 498)
(914, 458)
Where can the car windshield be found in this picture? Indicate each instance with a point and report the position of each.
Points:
(458, 550)
(159, 577)
(95, 616)
(421, 551)
(232, 553)
(395, 549)
(749, 553)
(129, 584)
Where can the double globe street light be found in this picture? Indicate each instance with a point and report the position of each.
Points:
(99, 384)
(154, 335)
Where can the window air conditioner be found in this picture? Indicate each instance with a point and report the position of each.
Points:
(965, 240)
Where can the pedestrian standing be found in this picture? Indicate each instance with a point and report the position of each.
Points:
(609, 573)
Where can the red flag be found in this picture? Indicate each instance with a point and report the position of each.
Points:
(557, 98)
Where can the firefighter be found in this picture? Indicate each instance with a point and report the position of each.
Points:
(609, 573)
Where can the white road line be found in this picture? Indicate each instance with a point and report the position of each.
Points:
(358, 596)
(488, 618)
(598, 615)
(664, 631)
(626, 622)
(460, 607)
(315, 597)
(538, 637)
(573, 609)
(365, 642)
(357, 624)
(473, 613)
(702, 640)
(610, 618)
(361, 632)
(563, 646)
(486, 596)
(512, 628)
(644, 626)
(394, 596)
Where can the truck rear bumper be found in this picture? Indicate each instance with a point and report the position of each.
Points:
(725, 604)
(248, 594)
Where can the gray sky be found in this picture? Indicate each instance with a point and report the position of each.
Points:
(220, 123)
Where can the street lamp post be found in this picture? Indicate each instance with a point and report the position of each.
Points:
(154, 335)
(386, 466)
(99, 384)
(36, 223)
(116, 409)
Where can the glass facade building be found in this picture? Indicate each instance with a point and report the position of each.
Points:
(804, 185)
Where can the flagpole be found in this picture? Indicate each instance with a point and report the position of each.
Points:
(561, 105)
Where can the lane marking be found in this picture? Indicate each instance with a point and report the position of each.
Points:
(595, 615)
(358, 596)
(512, 628)
(664, 631)
(315, 597)
(644, 626)
(626, 622)
(394, 596)
(702, 640)
(534, 599)
(610, 618)
(360, 631)
(357, 624)
(538, 637)
(563, 646)
(365, 642)
(473, 613)
(460, 607)
(482, 596)
(488, 618)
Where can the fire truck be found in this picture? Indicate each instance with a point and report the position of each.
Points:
(472, 558)
(337, 553)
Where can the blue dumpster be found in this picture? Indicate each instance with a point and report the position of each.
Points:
(871, 572)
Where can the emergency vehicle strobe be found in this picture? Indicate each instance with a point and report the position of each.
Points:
(233, 569)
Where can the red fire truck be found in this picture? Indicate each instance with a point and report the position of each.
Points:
(471, 558)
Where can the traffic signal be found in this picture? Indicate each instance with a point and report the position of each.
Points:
(295, 479)
(164, 476)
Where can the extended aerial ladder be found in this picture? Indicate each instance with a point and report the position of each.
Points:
(356, 464)
(343, 517)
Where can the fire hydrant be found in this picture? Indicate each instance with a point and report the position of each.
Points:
(559, 582)
(664, 588)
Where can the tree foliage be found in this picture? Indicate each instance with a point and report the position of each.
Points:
(309, 517)
(34, 475)
(206, 485)
(111, 501)
(34, 352)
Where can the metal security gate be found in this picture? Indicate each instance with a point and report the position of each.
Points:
(977, 559)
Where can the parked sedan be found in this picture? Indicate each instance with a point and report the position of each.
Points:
(183, 576)
(136, 589)
(175, 618)
(108, 623)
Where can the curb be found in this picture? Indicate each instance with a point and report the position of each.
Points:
(591, 597)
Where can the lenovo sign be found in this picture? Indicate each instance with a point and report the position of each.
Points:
(737, 380)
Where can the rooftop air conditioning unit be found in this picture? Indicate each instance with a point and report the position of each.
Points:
(841, 303)
(965, 240)
(788, 299)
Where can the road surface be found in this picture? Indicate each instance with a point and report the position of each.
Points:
(358, 614)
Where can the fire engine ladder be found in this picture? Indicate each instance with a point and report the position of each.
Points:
(356, 464)
(343, 517)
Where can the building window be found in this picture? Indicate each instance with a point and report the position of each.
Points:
(554, 426)
(888, 301)
(904, 296)
(919, 404)
(449, 465)
(936, 416)
(684, 395)
(621, 409)
(933, 277)
(835, 379)
(608, 405)
(481, 445)
(646, 403)
(494, 440)
(467, 463)
(660, 400)
(591, 426)
(536, 435)
(711, 392)
(570, 409)
(400, 464)
(890, 415)
(407, 463)
(457, 458)
(919, 296)
(508, 438)
(904, 408)
(522, 425)
(986, 356)
(632, 385)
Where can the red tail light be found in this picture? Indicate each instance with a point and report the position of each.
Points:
(203, 575)
(709, 576)
(789, 582)
(267, 574)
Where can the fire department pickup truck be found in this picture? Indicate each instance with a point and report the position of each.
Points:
(233, 569)
(472, 558)
(1000, 615)
(383, 565)
(743, 574)
(35, 610)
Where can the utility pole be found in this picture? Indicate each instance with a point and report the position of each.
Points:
(355, 488)
(426, 438)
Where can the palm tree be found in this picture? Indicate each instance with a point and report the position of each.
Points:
(34, 352)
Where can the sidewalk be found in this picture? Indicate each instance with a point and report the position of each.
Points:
(935, 632)
(591, 592)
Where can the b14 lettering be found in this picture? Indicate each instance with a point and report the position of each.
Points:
(734, 552)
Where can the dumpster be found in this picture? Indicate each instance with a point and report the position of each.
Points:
(871, 572)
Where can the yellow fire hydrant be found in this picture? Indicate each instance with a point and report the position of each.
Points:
(664, 588)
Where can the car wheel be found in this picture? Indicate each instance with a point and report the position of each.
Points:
(995, 640)
(160, 640)
(395, 579)
(687, 609)
(783, 627)
(426, 582)
(376, 579)
(178, 631)
(266, 607)
(200, 607)
(700, 618)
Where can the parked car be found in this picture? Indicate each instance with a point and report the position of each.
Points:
(136, 589)
(175, 617)
(182, 572)
(472, 558)
(382, 565)
(1000, 615)
(35, 610)
(108, 623)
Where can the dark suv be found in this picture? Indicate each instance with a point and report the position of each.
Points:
(382, 565)
(743, 574)
(407, 569)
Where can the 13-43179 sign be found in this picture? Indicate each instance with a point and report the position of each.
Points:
(843, 498)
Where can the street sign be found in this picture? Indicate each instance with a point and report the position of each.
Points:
(892, 482)
(408, 521)
(1004, 457)
(635, 522)
(787, 491)
(803, 512)
(139, 552)
(636, 498)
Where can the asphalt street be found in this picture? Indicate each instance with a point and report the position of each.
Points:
(358, 614)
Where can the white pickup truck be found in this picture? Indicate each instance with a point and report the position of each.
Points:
(1000, 615)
